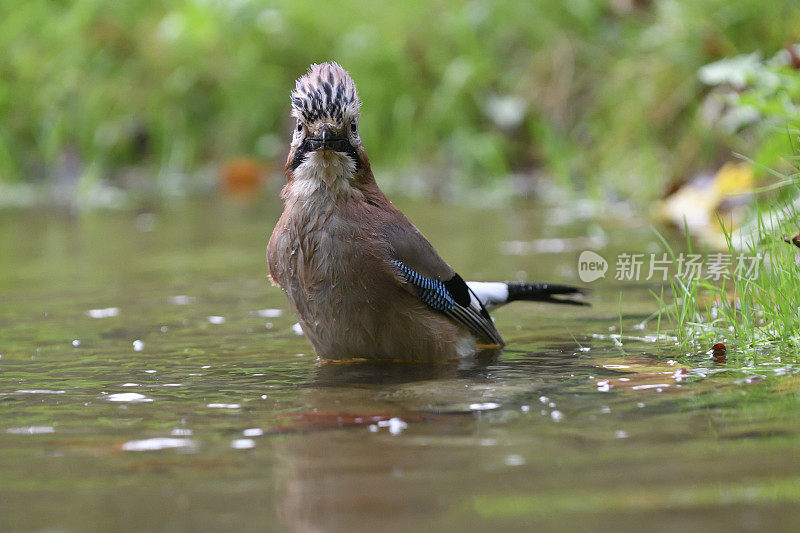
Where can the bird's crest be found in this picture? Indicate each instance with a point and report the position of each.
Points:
(326, 91)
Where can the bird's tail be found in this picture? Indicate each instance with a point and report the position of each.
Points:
(495, 294)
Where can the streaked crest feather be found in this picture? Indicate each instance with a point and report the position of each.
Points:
(326, 91)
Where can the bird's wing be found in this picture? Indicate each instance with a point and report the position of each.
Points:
(454, 299)
(432, 280)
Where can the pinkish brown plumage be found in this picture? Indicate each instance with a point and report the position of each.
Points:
(361, 278)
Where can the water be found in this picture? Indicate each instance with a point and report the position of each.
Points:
(150, 379)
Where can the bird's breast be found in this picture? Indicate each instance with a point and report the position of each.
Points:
(329, 260)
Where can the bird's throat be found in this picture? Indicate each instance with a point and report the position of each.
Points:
(324, 172)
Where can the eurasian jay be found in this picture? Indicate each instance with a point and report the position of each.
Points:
(362, 279)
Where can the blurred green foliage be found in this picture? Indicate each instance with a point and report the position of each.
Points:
(600, 94)
(756, 98)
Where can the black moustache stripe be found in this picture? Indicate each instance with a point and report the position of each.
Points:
(306, 147)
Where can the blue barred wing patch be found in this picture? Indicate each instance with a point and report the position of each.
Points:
(436, 295)
(431, 291)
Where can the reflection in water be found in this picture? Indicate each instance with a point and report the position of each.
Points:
(328, 480)
(334, 374)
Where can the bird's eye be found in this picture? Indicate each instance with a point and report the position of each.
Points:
(353, 126)
(299, 126)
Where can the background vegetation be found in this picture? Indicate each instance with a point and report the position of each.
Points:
(756, 313)
(601, 95)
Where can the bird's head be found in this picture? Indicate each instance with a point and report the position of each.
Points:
(325, 144)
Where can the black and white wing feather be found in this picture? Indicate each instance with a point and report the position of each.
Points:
(454, 299)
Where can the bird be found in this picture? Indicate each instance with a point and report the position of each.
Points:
(363, 281)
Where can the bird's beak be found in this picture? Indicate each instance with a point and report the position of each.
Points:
(328, 139)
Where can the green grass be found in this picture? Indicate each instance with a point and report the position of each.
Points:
(609, 100)
(752, 311)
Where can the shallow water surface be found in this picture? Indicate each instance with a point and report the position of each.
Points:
(150, 379)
